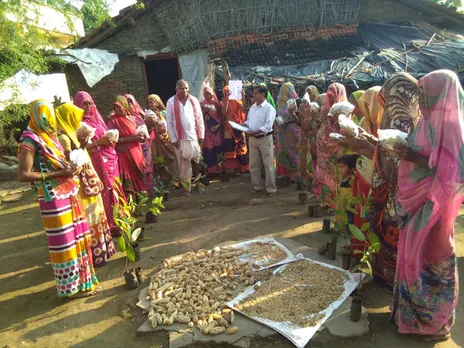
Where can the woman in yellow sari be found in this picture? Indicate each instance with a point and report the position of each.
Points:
(69, 119)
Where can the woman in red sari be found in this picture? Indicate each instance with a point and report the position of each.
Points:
(139, 118)
(235, 147)
(103, 155)
(212, 145)
(132, 166)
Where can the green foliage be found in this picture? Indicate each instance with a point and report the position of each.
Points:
(449, 3)
(156, 206)
(95, 12)
(124, 219)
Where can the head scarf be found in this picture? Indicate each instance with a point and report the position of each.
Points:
(122, 102)
(286, 93)
(338, 93)
(214, 99)
(42, 128)
(321, 100)
(400, 96)
(371, 109)
(69, 118)
(312, 92)
(157, 101)
(135, 108)
(270, 100)
(440, 133)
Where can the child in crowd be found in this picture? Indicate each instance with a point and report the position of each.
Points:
(346, 170)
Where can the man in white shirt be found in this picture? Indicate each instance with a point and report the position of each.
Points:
(260, 121)
(186, 129)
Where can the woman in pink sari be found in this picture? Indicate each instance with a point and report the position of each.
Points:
(139, 118)
(214, 131)
(132, 166)
(430, 192)
(103, 155)
(328, 150)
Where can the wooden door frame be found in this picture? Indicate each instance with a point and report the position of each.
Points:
(161, 56)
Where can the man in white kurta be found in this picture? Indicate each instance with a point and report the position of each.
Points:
(186, 129)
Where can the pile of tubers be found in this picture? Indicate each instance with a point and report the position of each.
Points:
(193, 289)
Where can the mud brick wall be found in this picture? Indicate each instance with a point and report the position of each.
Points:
(127, 76)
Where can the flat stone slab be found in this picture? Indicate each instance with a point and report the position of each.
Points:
(340, 325)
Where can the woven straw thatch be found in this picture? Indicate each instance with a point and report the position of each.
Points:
(190, 24)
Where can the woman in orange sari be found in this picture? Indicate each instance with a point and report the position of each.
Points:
(235, 147)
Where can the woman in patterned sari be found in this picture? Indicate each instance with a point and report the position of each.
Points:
(69, 119)
(430, 193)
(356, 115)
(132, 165)
(212, 145)
(288, 135)
(371, 111)
(328, 150)
(41, 161)
(103, 155)
(235, 147)
(163, 152)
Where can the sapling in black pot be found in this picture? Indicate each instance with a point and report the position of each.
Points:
(332, 248)
(154, 210)
(356, 307)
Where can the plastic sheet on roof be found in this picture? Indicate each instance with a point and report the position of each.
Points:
(374, 68)
(385, 36)
(94, 63)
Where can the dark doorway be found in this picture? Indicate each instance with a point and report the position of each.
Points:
(162, 75)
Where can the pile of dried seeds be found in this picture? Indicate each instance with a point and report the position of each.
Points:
(300, 291)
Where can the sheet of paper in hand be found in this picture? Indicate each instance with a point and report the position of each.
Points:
(235, 89)
(239, 127)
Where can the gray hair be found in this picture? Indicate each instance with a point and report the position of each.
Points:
(181, 82)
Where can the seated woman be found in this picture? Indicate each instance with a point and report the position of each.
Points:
(69, 119)
(132, 166)
(42, 161)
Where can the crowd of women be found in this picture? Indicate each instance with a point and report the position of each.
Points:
(414, 192)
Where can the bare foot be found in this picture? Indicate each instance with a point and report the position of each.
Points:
(83, 294)
(255, 191)
(272, 194)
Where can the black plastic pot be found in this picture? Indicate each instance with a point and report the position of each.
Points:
(151, 218)
(302, 198)
(356, 307)
(332, 252)
(139, 275)
(326, 226)
(166, 196)
(346, 260)
(311, 210)
(130, 277)
(205, 181)
(137, 251)
(282, 181)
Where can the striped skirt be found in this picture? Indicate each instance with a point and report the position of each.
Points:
(69, 244)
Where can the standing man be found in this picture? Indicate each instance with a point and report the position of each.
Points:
(260, 121)
(186, 130)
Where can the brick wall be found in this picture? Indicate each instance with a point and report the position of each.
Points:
(127, 76)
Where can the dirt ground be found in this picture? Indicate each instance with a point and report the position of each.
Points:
(32, 314)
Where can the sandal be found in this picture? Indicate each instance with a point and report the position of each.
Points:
(83, 294)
